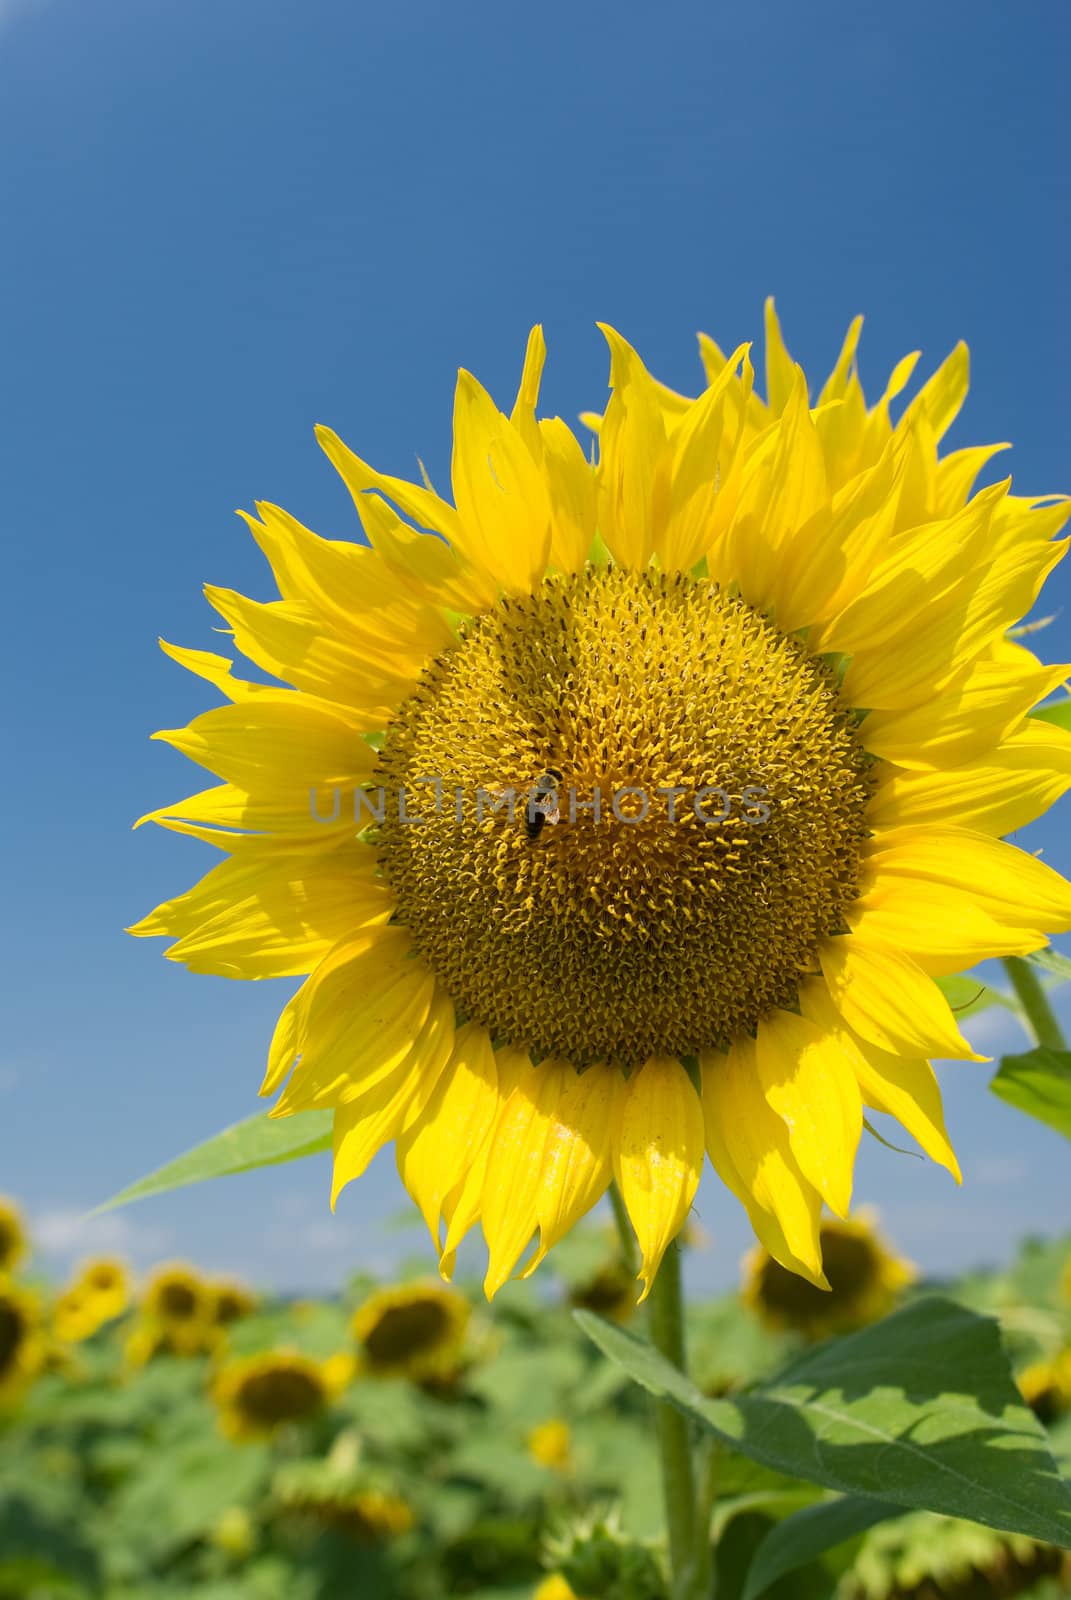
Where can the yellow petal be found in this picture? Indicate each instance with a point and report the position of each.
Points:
(296, 645)
(362, 1127)
(632, 459)
(808, 1082)
(514, 1174)
(504, 514)
(577, 1166)
(462, 1206)
(658, 1155)
(965, 721)
(780, 368)
(900, 1086)
(749, 1148)
(367, 1006)
(215, 669)
(1016, 782)
(888, 999)
(1005, 882)
(942, 395)
(271, 913)
(438, 1148)
(349, 586)
(280, 742)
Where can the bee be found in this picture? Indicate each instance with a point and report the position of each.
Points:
(542, 803)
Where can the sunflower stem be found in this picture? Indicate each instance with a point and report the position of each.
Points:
(625, 1235)
(1040, 1017)
(678, 1478)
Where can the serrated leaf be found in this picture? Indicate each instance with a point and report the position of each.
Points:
(1039, 1083)
(919, 1410)
(257, 1142)
(808, 1534)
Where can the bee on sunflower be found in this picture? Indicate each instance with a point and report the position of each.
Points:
(412, 1330)
(752, 674)
(864, 1275)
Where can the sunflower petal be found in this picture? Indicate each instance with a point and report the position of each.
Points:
(808, 1082)
(888, 999)
(658, 1155)
(749, 1147)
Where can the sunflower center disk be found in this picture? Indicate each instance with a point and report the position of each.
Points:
(726, 841)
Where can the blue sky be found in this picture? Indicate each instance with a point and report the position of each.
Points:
(226, 222)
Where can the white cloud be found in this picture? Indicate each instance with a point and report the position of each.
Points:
(64, 1235)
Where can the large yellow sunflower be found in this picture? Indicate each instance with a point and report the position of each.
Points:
(624, 813)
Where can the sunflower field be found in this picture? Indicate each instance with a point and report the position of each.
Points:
(404, 1441)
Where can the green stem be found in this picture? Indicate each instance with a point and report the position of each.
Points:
(1041, 1018)
(626, 1237)
(678, 1480)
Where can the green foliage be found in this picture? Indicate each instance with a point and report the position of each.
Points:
(117, 1482)
(257, 1142)
(919, 1410)
(1039, 1083)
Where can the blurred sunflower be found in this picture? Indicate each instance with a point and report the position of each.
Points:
(178, 1306)
(74, 1316)
(230, 1302)
(106, 1284)
(259, 1394)
(609, 1292)
(751, 678)
(925, 1557)
(413, 1330)
(863, 1274)
(1046, 1386)
(551, 1444)
(22, 1346)
(14, 1245)
(368, 1516)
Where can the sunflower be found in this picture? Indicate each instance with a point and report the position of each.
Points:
(74, 1316)
(414, 1330)
(259, 1394)
(14, 1245)
(622, 813)
(106, 1283)
(367, 1516)
(179, 1304)
(922, 1557)
(550, 1444)
(609, 1292)
(22, 1347)
(1045, 1385)
(864, 1278)
(230, 1302)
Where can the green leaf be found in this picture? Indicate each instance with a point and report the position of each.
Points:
(967, 996)
(1051, 961)
(919, 1410)
(1039, 1083)
(808, 1534)
(1057, 711)
(256, 1142)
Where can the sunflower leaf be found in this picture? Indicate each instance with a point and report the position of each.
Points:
(918, 1411)
(809, 1533)
(1039, 1083)
(257, 1142)
(1057, 711)
(1052, 962)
